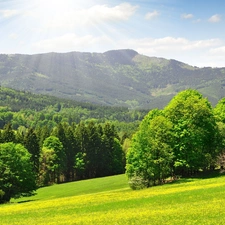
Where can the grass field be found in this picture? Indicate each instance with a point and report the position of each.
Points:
(110, 201)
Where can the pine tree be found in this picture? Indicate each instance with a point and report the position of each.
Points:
(31, 143)
(71, 149)
(8, 134)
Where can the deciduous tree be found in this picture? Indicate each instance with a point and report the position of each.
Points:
(16, 172)
(150, 156)
(57, 155)
(195, 131)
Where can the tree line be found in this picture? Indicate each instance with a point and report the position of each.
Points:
(186, 137)
(64, 153)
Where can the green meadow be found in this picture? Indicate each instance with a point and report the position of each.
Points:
(109, 200)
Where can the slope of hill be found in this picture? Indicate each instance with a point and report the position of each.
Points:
(109, 200)
(118, 77)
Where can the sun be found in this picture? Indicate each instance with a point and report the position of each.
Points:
(57, 6)
(51, 7)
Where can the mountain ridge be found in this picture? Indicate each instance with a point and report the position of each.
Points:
(116, 77)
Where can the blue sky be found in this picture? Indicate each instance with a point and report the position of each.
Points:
(191, 31)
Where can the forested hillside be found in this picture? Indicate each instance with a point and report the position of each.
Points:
(25, 109)
(118, 77)
(56, 140)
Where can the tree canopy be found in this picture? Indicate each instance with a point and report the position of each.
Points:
(16, 172)
(194, 131)
(150, 154)
(180, 139)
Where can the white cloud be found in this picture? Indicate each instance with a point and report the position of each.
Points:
(215, 18)
(151, 15)
(197, 53)
(13, 36)
(217, 55)
(218, 51)
(104, 13)
(70, 42)
(9, 13)
(85, 16)
(186, 16)
(173, 44)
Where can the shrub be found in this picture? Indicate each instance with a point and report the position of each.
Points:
(137, 183)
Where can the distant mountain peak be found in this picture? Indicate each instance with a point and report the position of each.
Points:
(122, 56)
(122, 51)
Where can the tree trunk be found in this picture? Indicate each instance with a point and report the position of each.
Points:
(5, 198)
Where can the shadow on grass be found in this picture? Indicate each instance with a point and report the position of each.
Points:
(178, 181)
(209, 174)
(26, 201)
(200, 175)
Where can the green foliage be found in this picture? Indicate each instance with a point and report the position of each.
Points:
(99, 149)
(54, 152)
(47, 167)
(219, 111)
(8, 134)
(138, 183)
(71, 148)
(1, 194)
(150, 154)
(31, 143)
(79, 164)
(195, 131)
(81, 151)
(16, 175)
(181, 139)
(41, 110)
(118, 158)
